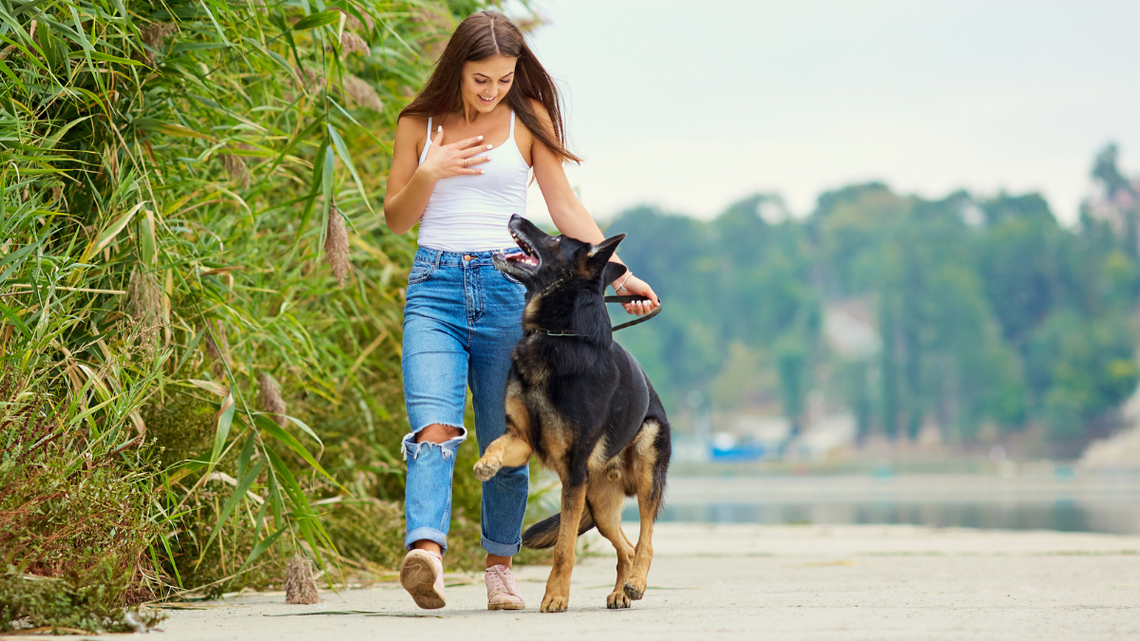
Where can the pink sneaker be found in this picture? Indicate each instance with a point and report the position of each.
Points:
(422, 576)
(502, 593)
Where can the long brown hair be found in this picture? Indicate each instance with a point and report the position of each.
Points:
(481, 36)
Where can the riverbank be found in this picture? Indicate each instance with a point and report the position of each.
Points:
(749, 582)
(1029, 500)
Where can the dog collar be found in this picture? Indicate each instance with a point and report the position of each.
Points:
(550, 333)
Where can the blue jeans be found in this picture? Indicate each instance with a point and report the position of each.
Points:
(461, 321)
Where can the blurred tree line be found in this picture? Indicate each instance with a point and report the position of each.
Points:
(988, 317)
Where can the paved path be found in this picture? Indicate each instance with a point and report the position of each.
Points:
(760, 582)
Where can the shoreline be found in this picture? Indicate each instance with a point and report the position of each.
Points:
(691, 486)
(1079, 503)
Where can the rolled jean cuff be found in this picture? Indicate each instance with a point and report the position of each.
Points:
(500, 549)
(425, 533)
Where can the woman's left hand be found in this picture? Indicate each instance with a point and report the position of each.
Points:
(638, 287)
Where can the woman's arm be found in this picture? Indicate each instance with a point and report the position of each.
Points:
(410, 184)
(570, 217)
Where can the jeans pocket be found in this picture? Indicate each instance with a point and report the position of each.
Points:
(420, 272)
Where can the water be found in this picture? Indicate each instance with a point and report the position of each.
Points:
(1066, 516)
(1073, 504)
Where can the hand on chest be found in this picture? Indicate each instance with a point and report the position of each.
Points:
(501, 134)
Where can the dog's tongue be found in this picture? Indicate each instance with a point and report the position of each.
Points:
(523, 258)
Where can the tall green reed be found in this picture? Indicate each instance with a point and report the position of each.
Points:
(191, 248)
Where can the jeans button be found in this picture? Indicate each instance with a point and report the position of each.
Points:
(466, 256)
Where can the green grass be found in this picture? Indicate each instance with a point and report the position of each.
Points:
(198, 382)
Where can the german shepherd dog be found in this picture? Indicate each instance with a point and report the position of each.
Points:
(584, 406)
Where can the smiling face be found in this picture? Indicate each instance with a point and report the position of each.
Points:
(485, 83)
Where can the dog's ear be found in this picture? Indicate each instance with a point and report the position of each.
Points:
(612, 272)
(603, 250)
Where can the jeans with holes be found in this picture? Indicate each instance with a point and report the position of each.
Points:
(461, 321)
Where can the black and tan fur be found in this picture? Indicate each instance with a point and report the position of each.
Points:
(583, 405)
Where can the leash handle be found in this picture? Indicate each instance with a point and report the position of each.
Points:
(632, 298)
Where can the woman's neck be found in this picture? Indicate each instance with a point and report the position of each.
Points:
(471, 115)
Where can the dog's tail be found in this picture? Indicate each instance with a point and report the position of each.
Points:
(544, 534)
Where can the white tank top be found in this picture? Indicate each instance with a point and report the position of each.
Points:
(469, 213)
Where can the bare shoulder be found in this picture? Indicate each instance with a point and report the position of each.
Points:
(408, 125)
(410, 122)
(411, 131)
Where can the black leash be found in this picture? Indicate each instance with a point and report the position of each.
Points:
(627, 298)
(631, 298)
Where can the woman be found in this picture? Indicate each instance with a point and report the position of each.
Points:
(464, 149)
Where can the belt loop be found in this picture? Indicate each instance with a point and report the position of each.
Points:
(438, 258)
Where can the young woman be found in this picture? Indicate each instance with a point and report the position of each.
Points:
(464, 150)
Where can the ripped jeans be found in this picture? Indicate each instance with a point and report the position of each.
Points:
(461, 321)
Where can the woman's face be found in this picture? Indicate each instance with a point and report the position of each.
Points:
(485, 83)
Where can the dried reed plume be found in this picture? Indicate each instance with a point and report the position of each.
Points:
(359, 92)
(154, 36)
(336, 246)
(144, 304)
(269, 398)
(236, 168)
(310, 80)
(351, 43)
(300, 582)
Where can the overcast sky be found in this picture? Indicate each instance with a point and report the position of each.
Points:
(692, 105)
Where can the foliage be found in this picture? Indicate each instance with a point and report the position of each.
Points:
(64, 511)
(74, 525)
(735, 281)
(988, 313)
(89, 601)
(1059, 359)
(196, 287)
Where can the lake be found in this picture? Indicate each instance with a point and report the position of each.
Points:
(1075, 503)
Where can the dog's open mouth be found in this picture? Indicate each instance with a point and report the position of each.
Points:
(528, 257)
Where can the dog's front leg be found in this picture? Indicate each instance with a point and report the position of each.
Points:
(557, 596)
(508, 450)
(512, 449)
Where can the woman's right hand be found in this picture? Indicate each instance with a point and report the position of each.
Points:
(455, 159)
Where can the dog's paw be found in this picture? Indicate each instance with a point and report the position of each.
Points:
(617, 600)
(634, 589)
(485, 469)
(554, 603)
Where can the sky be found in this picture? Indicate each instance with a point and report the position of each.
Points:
(691, 106)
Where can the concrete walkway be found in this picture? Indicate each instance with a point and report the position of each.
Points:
(758, 582)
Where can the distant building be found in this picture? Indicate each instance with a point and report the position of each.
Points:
(850, 330)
